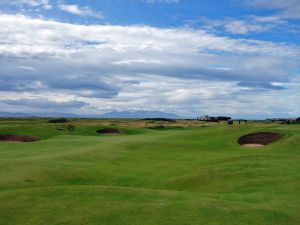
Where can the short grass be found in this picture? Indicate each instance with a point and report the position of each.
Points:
(190, 175)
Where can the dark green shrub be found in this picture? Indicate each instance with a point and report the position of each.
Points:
(161, 119)
(71, 127)
(60, 120)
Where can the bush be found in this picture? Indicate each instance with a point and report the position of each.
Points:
(108, 131)
(71, 127)
(157, 127)
(60, 120)
(161, 119)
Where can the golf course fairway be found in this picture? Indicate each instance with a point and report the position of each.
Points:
(189, 175)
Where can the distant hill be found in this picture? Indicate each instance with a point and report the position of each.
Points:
(122, 114)
(17, 115)
(56, 114)
(140, 114)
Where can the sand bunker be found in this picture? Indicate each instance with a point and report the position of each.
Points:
(108, 131)
(259, 139)
(17, 138)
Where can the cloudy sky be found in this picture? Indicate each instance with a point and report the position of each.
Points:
(190, 57)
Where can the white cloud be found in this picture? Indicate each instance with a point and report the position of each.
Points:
(268, 19)
(241, 27)
(80, 11)
(45, 4)
(36, 36)
(247, 25)
(125, 67)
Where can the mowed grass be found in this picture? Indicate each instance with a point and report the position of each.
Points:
(190, 175)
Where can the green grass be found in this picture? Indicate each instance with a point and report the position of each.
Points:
(191, 175)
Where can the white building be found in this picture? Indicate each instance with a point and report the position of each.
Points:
(204, 118)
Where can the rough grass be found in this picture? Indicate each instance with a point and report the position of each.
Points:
(195, 175)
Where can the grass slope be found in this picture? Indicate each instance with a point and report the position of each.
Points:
(193, 175)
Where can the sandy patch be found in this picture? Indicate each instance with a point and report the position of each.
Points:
(253, 145)
(17, 138)
(259, 139)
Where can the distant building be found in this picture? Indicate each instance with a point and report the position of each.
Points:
(204, 118)
(208, 118)
(213, 118)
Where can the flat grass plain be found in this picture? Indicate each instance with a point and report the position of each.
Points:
(183, 174)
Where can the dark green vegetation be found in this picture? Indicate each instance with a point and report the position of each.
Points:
(60, 120)
(108, 131)
(168, 176)
(161, 119)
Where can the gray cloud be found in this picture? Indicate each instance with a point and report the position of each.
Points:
(45, 104)
(274, 24)
(258, 85)
(286, 8)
